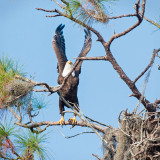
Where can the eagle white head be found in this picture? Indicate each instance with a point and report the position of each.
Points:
(67, 69)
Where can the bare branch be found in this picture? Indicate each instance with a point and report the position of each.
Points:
(42, 84)
(98, 122)
(115, 36)
(122, 16)
(40, 90)
(51, 123)
(45, 10)
(77, 134)
(20, 115)
(15, 115)
(59, 4)
(100, 38)
(96, 156)
(57, 15)
(149, 65)
(92, 58)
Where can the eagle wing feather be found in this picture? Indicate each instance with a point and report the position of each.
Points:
(86, 48)
(58, 44)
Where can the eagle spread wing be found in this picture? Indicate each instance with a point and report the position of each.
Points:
(86, 48)
(58, 44)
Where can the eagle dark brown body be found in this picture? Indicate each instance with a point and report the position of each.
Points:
(69, 90)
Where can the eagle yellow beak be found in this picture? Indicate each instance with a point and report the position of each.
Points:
(69, 62)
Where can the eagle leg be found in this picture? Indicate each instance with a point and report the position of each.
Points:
(61, 121)
(73, 120)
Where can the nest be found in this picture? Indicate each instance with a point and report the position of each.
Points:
(16, 89)
(138, 138)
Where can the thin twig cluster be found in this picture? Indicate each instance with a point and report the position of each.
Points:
(139, 136)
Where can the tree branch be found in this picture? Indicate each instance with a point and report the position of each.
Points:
(152, 22)
(46, 10)
(77, 134)
(122, 16)
(115, 36)
(96, 156)
(15, 115)
(149, 65)
(100, 38)
(93, 58)
(51, 123)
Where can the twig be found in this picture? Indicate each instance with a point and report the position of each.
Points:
(41, 84)
(15, 115)
(20, 115)
(96, 156)
(77, 134)
(115, 36)
(122, 16)
(51, 16)
(98, 122)
(59, 4)
(92, 58)
(123, 131)
(152, 22)
(46, 10)
(149, 65)
(100, 38)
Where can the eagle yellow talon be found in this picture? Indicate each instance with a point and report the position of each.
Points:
(61, 121)
(74, 121)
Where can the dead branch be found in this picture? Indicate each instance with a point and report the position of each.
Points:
(96, 156)
(46, 10)
(152, 22)
(100, 38)
(90, 119)
(93, 58)
(149, 65)
(51, 16)
(122, 16)
(140, 18)
(51, 123)
(15, 115)
(77, 134)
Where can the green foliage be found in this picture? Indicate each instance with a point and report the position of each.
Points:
(38, 102)
(30, 143)
(89, 11)
(8, 69)
(6, 130)
(27, 144)
(6, 145)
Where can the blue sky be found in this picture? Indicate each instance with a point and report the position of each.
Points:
(26, 35)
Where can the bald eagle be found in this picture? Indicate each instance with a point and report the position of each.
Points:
(69, 90)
